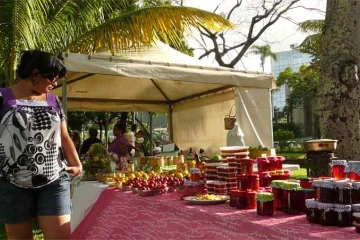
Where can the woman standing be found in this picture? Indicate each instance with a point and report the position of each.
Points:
(34, 142)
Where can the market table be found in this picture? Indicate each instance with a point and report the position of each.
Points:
(85, 195)
(123, 215)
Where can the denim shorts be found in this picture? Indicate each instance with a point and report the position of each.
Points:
(18, 205)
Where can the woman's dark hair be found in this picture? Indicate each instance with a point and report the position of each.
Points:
(44, 62)
(93, 132)
(121, 127)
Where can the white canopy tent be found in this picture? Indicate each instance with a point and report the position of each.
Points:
(195, 95)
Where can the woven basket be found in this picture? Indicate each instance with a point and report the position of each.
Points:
(229, 120)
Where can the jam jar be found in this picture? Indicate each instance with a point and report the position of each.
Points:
(242, 181)
(195, 174)
(303, 195)
(234, 197)
(272, 163)
(327, 191)
(253, 182)
(264, 204)
(356, 223)
(265, 179)
(355, 193)
(355, 208)
(316, 186)
(338, 169)
(343, 213)
(279, 162)
(277, 192)
(251, 200)
(305, 182)
(353, 168)
(327, 216)
(262, 164)
(242, 200)
(289, 190)
(246, 166)
(343, 192)
(312, 212)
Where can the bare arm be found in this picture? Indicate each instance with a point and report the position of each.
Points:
(75, 167)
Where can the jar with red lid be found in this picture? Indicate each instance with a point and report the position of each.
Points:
(312, 212)
(338, 169)
(327, 191)
(343, 213)
(327, 216)
(316, 186)
(279, 162)
(234, 198)
(303, 195)
(305, 182)
(246, 166)
(251, 200)
(355, 193)
(242, 181)
(220, 188)
(353, 168)
(272, 163)
(253, 182)
(195, 174)
(264, 179)
(242, 200)
(262, 164)
(264, 204)
(277, 193)
(343, 192)
(210, 186)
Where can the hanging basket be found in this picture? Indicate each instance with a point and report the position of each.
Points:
(229, 120)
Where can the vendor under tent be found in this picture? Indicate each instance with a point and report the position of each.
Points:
(195, 95)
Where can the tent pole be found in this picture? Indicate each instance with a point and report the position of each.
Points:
(171, 124)
(151, 133)
(64, 94)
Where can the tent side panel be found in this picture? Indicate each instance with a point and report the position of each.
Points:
(200, 123)
(254, 115)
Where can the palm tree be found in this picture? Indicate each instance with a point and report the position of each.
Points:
(89, 25)
(264, 51)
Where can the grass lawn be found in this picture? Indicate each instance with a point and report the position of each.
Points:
(36, 232)
(293, 155)
(298, 173)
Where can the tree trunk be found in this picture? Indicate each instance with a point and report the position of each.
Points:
(338, 90)
(308, 118)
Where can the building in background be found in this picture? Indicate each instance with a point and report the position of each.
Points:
(293, 59)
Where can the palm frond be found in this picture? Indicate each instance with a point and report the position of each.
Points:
(144, 25)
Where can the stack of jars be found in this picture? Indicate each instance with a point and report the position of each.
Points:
(242, 199)
(232, 151)
(243, 160)
(227, 174)
(211, 171)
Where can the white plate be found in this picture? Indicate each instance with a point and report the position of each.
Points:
(193, 200)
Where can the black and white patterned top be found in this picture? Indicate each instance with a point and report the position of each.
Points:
(30, 140)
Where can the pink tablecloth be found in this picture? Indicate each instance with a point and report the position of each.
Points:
(122, 215)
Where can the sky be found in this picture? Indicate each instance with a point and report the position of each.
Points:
(279, 36)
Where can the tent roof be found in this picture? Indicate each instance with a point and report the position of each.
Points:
(147, 80)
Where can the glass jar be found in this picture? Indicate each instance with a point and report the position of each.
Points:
(312, 212)
(264, 204)
(242, 181)
(272, 163)
(327, 215)
(343, 192)
(234, 198)
(262, 164)
(195, 174)
(251, 200)
(305, 182)
(355, 193)
(353, 168)
(303, 195)
(338, 169)
(316, 186)
(264, 179)
(253, 182)
(246, 166)
(343, 213)
(277, 193)
(289, 197)
(279, 162)
(327, 191)
(355, 208)
(242, 200)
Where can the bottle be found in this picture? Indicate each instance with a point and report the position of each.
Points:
(196, 157)
(190, 154)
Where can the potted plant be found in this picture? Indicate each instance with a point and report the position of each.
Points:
(256, 152)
